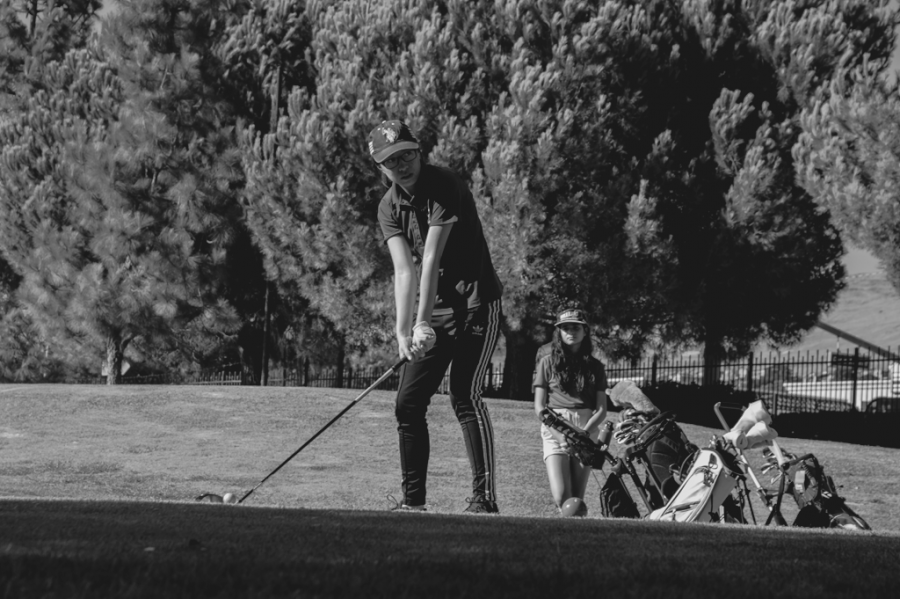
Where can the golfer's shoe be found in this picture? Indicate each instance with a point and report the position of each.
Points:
(480, 505)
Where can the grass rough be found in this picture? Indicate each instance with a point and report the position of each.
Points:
(96, 489)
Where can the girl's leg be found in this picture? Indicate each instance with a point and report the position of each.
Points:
(580, 474)
(559, 473)
(471, 357)
(418, 382)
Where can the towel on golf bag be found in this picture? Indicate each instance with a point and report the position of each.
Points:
(752, 430)
(817, 497)
(627, 395)
(706, 488)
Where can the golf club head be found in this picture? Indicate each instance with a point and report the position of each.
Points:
(209, 498)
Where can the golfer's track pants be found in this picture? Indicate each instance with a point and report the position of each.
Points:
(467, 341)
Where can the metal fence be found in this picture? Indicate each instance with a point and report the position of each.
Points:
(362, 378)
(224, 375)
(856, 379)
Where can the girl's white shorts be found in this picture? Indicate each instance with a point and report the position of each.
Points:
(554, 442)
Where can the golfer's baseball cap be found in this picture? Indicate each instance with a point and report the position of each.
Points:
(570, 316)
(390, 137)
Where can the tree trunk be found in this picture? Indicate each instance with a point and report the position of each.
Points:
(518, 366)
(339, 378)
(114, 355)
(712, 360)
(264, 361)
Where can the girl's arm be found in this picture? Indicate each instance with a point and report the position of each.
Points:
(435, 242)
(599, 415)
(540, 400)
(404, 294)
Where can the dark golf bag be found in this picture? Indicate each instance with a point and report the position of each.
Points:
(615, 500)
(664, 451)
(818, 499)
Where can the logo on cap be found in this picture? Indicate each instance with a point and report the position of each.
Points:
(390, 134)
(390, 137)
(570, 315)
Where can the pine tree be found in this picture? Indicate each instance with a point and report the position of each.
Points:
(263, 56)
(32, 33)
(631, 156)
(848, 157)
(311, 192)
(116, 202)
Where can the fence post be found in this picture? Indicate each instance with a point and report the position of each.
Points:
(855, 376)
(750, 373)
(653, 368)
(306, 372)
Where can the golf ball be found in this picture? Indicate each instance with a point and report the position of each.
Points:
(229, 498)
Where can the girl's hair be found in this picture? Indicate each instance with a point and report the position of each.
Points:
(574, 369)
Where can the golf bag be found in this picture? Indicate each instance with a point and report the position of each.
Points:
(706, 495)
(664, 451)
(803, 477)
(615, 500)
(816, 495)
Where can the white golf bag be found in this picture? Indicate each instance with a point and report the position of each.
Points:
(705, 495)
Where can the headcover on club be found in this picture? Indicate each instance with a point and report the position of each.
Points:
(627, 395)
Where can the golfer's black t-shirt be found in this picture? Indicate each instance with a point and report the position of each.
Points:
(467, 277)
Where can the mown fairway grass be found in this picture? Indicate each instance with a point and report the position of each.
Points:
(97, 488)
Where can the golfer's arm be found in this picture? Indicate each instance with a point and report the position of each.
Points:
(435, 243)
(404, 283)
(598, 416)
(540, 400)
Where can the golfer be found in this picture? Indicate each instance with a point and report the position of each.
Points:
(571, 382)
(440, 256)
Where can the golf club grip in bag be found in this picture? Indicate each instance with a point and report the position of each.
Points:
(580, 443)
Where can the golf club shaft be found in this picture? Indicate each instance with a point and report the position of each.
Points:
(380, 380)
(742, 459)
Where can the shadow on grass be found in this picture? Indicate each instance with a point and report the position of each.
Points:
(153, 549)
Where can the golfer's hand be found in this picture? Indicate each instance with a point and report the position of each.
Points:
(423, 336)
(407, 349)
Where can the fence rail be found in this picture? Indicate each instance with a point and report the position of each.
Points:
(790, 382)
(855, 379)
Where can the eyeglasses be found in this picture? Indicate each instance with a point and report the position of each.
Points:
(571, 327)
(394, 160)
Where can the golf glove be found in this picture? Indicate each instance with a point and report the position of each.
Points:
(423, 336)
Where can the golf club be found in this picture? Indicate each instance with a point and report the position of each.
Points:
(380, 380)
